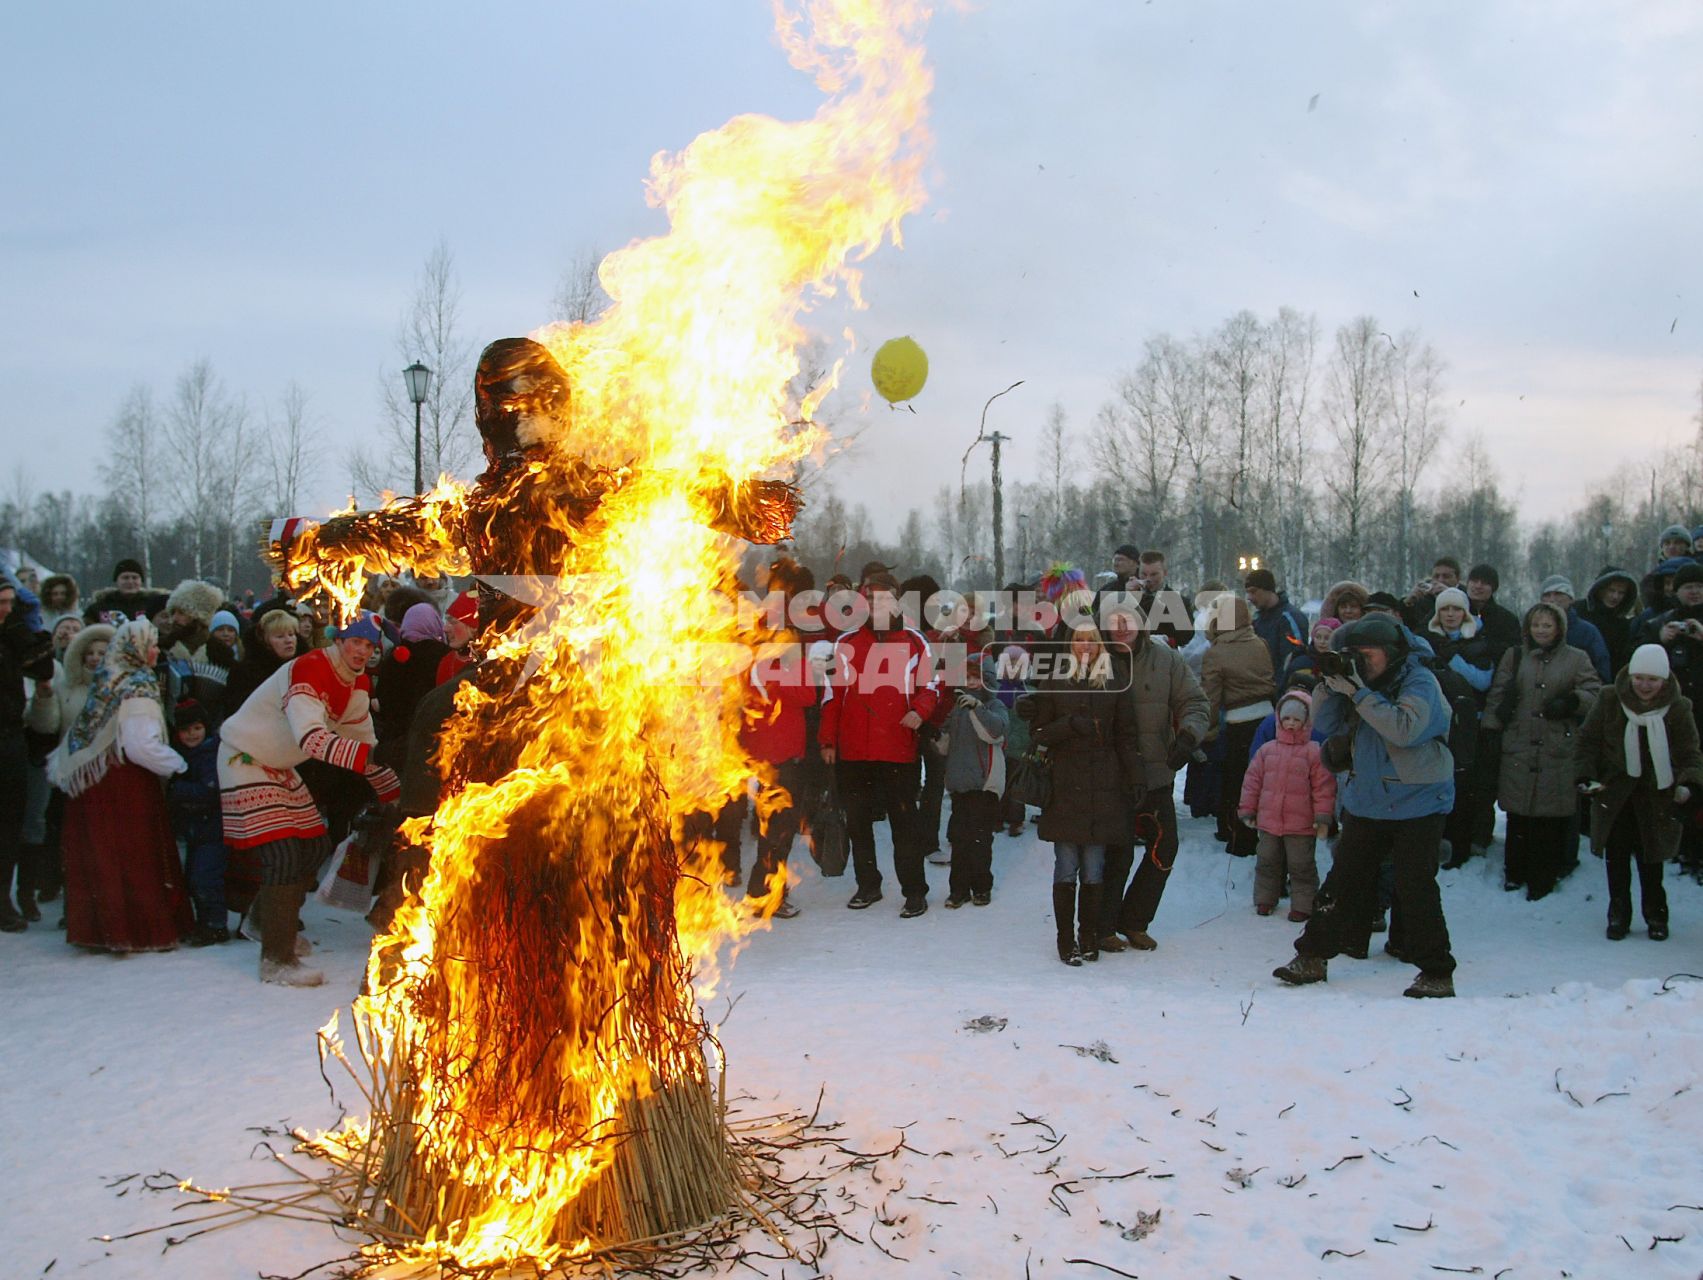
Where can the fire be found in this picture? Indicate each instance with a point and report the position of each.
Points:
(541, 1077)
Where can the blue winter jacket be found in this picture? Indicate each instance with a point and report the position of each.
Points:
(1284, 629)
(194, 796)
(1401, 762)
(1584, 635)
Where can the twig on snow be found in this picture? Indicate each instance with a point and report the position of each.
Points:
(1340, 1253)
(1402, 1226)
(1331, 1168)
(1089, 1262)
(1567, 1092)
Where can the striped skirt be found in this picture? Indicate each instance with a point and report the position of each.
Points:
(262, 805)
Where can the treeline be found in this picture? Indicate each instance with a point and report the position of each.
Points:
(1322, 460)
(1260, 439)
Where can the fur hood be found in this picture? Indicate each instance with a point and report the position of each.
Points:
(200, 600)
(1352, 590)
(74, 676)
(56, 580)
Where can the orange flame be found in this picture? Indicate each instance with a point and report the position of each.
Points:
(685, 374)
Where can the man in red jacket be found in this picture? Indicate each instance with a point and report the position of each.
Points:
(881, 689)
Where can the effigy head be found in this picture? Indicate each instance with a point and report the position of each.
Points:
(520, 396)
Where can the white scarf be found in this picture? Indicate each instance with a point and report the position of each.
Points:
(1652, 723)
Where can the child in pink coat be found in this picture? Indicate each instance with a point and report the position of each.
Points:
(1288, 796)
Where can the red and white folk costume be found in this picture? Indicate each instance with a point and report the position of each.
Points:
(312, 708)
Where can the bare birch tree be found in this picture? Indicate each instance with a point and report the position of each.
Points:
(1233, 363)
(1286, 378)
(579, 296)
(132, 468)
(291, 449)
(429, 332)
(204, 430)
(1417, 428)
(1135, 445)
(1357, 409)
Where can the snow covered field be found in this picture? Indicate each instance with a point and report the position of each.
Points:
(1547, 1123)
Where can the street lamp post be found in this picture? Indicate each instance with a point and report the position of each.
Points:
(417, 378)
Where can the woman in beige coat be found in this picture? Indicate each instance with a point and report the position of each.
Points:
(1236, 674)
(1542, 693)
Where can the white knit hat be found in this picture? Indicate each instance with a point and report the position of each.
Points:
(1649, 660)
(1454, 596)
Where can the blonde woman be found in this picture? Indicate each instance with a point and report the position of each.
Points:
(1089, 731)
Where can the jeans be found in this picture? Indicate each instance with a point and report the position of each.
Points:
(871, 786)
(1342, 915)
(1071, 860)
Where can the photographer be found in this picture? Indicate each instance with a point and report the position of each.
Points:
(1680, 631)
(1389, 727)
(1416, 610)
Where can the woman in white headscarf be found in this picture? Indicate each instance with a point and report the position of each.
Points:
(124, 887)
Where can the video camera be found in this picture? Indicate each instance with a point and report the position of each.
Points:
(1336, 664)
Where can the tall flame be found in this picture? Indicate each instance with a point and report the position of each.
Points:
(535, 1005)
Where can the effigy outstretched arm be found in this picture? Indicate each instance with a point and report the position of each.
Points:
(760, 511)
(337, 555)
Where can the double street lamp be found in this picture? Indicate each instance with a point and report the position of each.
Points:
(417, 378)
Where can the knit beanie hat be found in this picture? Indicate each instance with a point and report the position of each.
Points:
(1678, 532)
(188, 712)
(1458, 598)
(361, 627)
(128, 566)
(1690, 573)
(224, 618)
(1557, 582)
(1260, 580)
(1649, 660)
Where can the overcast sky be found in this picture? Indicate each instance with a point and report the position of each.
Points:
(259, 185)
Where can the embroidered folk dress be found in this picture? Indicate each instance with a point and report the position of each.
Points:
(311, 708)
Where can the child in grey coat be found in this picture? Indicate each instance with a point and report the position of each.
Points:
(973, 739)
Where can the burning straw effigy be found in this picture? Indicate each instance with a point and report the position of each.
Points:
(541, 1087)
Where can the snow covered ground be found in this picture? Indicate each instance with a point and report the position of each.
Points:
(1546, 1123)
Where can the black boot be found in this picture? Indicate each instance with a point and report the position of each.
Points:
(1088, 921)
(29, 864)
(1064, 917)
(10, 920)
(1619, 919)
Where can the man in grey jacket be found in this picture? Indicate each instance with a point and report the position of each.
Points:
(1171, 721)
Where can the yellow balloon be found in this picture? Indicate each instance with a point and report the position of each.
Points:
(899, 369)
